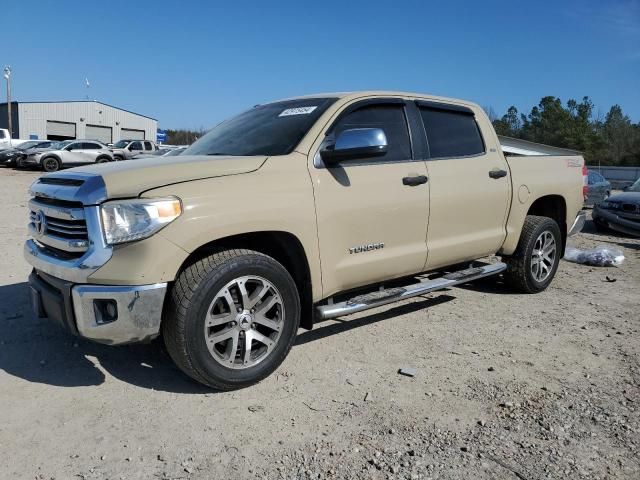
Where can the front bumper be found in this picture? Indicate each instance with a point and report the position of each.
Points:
(107, 314)
(578, 223)
(629, 225)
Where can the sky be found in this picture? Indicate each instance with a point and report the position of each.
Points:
(191, 64)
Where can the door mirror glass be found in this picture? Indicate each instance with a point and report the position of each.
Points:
(356, 143)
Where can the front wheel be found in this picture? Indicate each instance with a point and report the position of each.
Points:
(534, 263)
(231, 318)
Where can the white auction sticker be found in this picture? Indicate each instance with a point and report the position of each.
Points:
(297, 111)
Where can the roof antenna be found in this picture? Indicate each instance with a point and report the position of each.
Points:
(87, 84)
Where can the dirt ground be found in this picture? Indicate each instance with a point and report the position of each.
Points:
(508, 386)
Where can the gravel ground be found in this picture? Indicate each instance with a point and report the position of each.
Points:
(507, 386)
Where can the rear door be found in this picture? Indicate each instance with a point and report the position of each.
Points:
(372, 223)
(470, 187)
(91, 150)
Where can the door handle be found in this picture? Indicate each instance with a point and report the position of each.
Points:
(497, 173)
(414, 181)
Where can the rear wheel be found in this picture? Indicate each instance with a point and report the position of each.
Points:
(51, 164)
(232, 318)
(534, 263)
(103, 159)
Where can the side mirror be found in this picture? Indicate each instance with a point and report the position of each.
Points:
(356, 143)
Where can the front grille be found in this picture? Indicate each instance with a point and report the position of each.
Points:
(59, 227)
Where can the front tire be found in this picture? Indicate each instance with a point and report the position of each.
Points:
(533, 265)
(231, 318)
(51, 164)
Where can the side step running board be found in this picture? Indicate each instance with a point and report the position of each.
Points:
(384, 297)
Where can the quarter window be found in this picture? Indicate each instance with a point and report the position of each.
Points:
(391, 119)
(451, 133)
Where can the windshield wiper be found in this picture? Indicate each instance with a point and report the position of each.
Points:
(223, 154)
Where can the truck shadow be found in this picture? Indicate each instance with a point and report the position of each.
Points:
(39, 351)
(342, 326)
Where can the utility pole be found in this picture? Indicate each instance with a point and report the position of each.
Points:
(7, 76)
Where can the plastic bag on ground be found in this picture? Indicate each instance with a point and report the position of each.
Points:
(600, 256)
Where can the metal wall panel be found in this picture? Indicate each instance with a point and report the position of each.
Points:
(98, 132)
(33, 118)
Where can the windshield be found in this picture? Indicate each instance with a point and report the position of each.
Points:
(271, 129)
(635, 187)
(121, 144)
(60, 145)
(26, 145)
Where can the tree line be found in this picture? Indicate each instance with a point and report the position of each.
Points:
(611, 139)
(183, 137)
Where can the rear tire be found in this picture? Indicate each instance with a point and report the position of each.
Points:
(103, 159)
(533, 265)
(51, 164)
(228, 304)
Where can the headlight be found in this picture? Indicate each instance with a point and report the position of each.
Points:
(608, 205)
(131, 220)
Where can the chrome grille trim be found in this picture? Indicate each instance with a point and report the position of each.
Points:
(72, 246)
(64, 213)
(65, 244)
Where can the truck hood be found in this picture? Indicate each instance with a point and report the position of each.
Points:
(129, 178)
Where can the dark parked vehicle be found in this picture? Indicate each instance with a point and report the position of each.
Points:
(12, 156)
(620, 212)
(599, 188)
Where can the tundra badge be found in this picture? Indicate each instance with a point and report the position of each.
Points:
(366, 248)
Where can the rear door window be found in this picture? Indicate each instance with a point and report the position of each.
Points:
(451, 133)
(390, 118)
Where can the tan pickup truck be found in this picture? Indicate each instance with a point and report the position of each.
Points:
(291, 213)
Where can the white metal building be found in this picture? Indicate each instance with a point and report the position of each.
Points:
(77, 119)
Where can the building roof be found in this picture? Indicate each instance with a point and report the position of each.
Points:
(85, 101)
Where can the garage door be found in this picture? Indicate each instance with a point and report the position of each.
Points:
(131, 134)
(98, 132)
(61, 129)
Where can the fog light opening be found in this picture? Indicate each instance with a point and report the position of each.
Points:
(106, 311)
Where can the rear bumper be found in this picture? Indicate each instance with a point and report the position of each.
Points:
(107, 314)
(578, 223)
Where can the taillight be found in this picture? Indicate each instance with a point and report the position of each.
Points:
(585, 181)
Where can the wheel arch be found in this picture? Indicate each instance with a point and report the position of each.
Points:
(282, 246)
(554, 207)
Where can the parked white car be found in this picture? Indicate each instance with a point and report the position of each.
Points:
(7, 142)
(69, 153)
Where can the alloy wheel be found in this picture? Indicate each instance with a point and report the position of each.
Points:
(244, 322)
(543, 256)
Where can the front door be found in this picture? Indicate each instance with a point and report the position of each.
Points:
(372, 225)
(470, 186)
